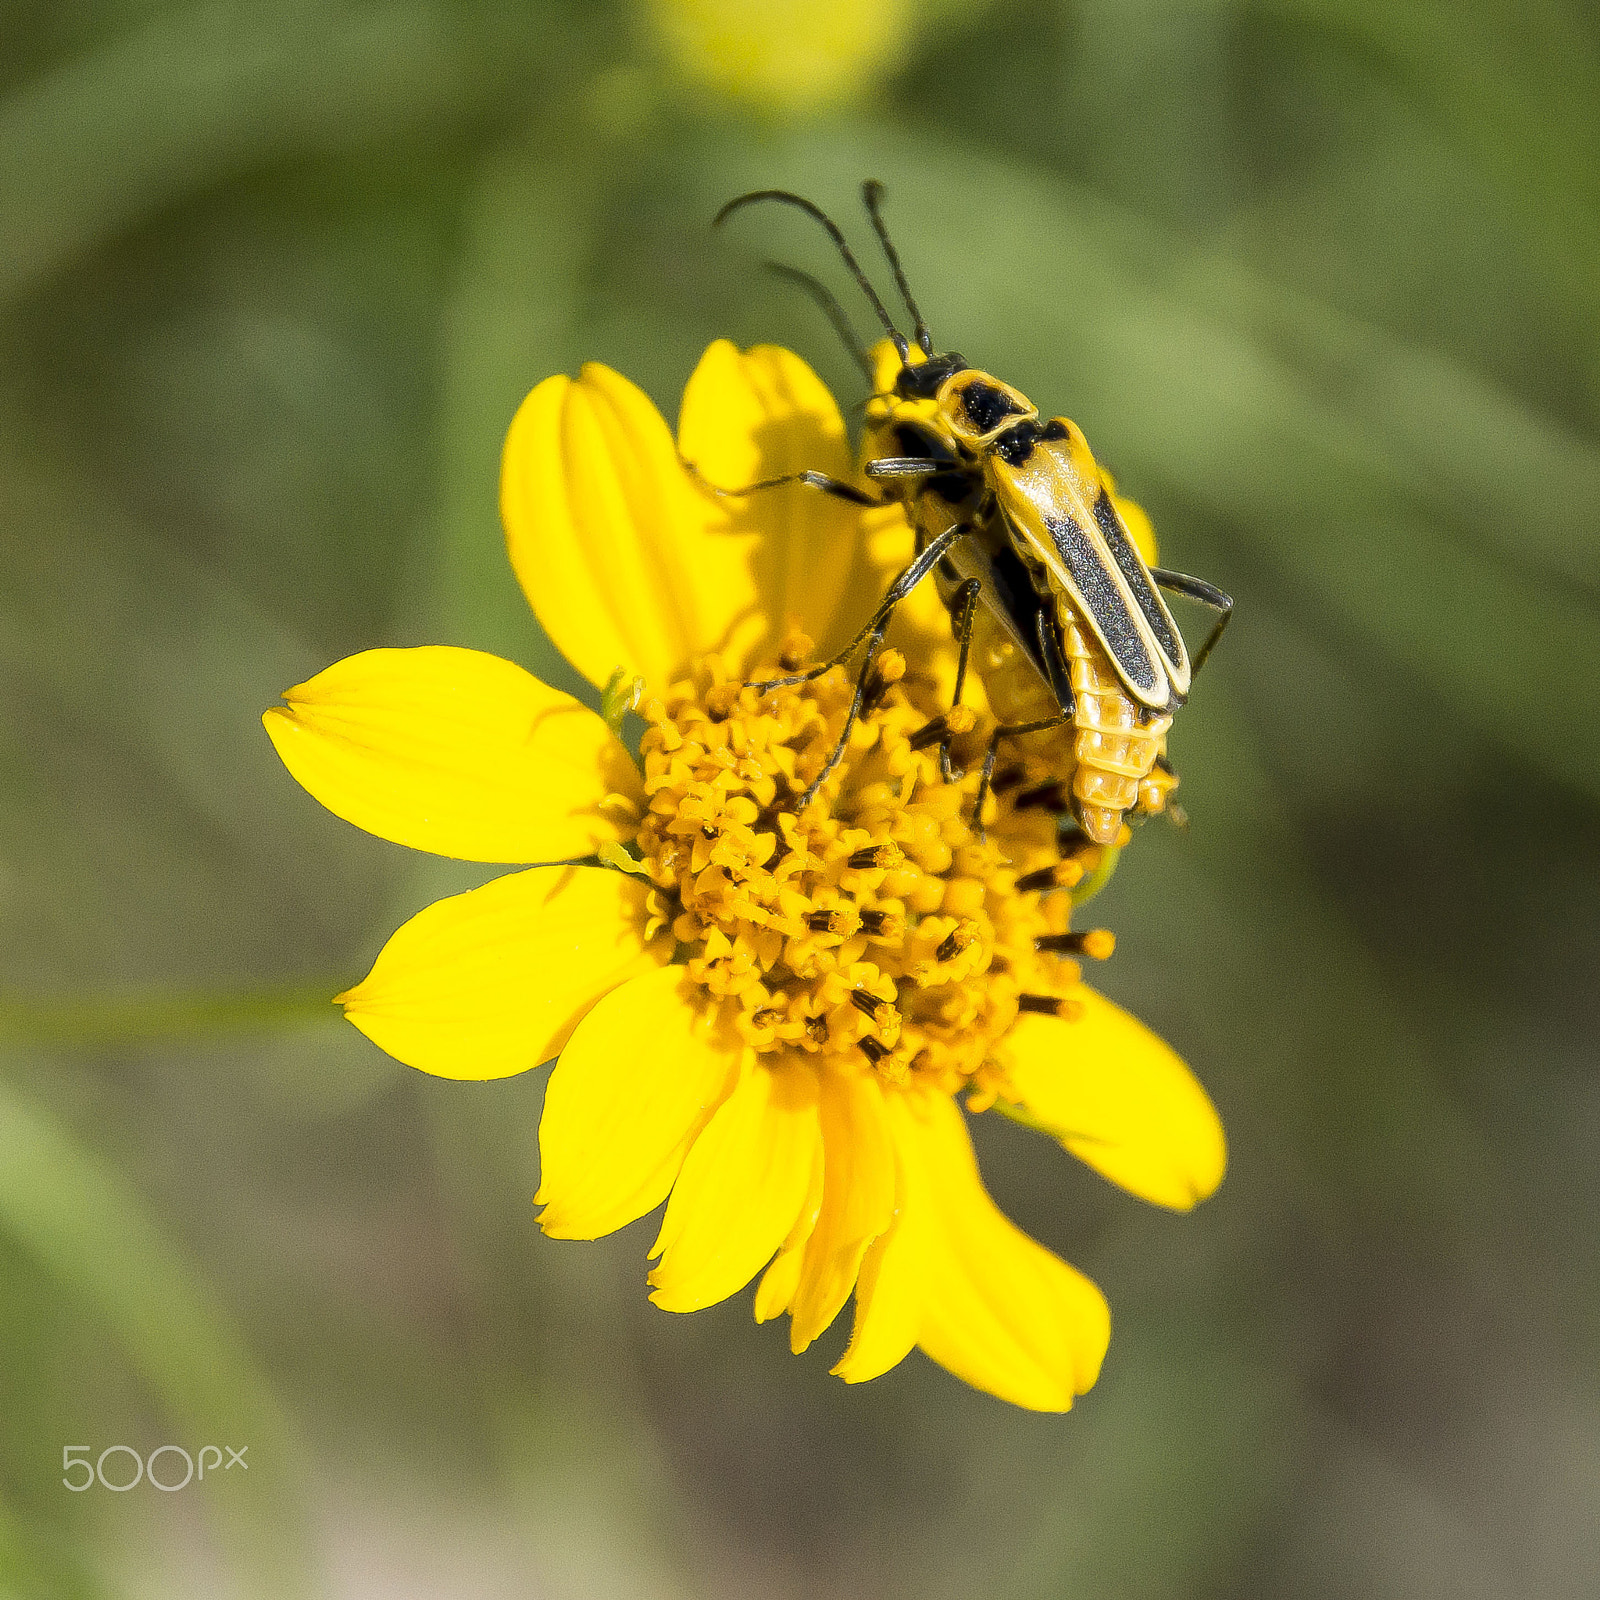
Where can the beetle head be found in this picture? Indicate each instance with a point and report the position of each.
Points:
(920, 380)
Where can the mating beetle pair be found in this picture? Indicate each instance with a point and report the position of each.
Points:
(1018, 525)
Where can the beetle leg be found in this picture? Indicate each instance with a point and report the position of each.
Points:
(1054, 662)
(965, 607)
(812, 480)
(856, 702)
(1006, 731)
(1208, 595)
(919, 569)
(910, 466)
(966, 598)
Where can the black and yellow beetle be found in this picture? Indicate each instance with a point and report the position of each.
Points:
(1021, 528)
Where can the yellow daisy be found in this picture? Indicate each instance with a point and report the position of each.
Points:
(783, 55)
(769, 1017)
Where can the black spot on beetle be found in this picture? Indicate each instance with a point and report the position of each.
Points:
(987, 407)
(1054, 430)
(1015, 445)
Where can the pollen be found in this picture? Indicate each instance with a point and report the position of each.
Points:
(870, 922)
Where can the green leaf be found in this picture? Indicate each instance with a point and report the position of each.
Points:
(199, 95)
(91, 1233)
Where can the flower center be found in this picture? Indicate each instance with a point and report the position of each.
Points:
(874, 924)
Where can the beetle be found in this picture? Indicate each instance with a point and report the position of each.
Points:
(1019, 525)
(1037, 661)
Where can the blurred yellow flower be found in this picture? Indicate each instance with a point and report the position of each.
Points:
(787, 55)
(767, 1017)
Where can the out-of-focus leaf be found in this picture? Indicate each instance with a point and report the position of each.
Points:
(1524, 486)
(92, 1234)
(32, 1567)
(196, 95)
(1201, 1412)
(141, 675)
(1518, 82)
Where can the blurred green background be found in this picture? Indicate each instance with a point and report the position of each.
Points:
(1319, 279)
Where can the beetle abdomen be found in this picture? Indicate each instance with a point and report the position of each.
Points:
(1116, 752)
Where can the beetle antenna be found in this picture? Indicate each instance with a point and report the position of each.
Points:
(784, 197)
(831, 309)
(872, 193)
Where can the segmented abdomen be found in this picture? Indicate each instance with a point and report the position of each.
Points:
(1115, 752)
(1081, 754)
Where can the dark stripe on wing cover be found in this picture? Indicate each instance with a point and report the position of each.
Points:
(1132, 567)
(1107, 610)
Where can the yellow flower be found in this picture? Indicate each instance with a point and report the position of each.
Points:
(767, 1016)
(781, 53)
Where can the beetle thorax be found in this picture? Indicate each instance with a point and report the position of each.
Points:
(977, 408)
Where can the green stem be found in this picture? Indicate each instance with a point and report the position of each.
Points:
(1098, 879)
(79, 1021)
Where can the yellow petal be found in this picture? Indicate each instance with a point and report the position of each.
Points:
(857, 1200)
(608, 536)
(765, 414)
(453, 751)
(492, 982)
(1002, 1311)
(776, 1291)
(639, 1079)
(886, 364)
(1140, 528)
(894, 1271)
(787, 57)
(1119, 1098)
(742, 1187)
(993, 1306)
